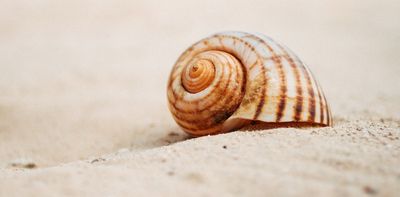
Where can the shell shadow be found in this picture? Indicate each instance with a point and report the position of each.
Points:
(154, 136)
(173, 137)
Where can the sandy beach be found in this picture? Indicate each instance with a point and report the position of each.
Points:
(83, 107)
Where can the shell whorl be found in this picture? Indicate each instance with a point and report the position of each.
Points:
(230, 79)
(207, 91)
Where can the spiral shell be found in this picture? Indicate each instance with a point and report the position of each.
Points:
(233, 79)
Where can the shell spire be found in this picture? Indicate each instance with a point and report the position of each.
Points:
(232, 79)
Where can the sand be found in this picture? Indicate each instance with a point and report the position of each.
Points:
(83, 102)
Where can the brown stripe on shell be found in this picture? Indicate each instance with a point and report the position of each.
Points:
(254, 64)
(263, 85)
(219, 96)
(264, 81)
(298, 109)
(262, 99)
(186, 113)
(324, 106)
(311, 94)
(199, 100)
(283, 89)
(223, 49)
(216, 117)
(328, 115)
(319, 92)
(320, 104)
(310, 89)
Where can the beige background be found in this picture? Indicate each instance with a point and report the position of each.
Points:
(81, 80)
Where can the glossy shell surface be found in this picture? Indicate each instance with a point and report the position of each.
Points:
(232, 79)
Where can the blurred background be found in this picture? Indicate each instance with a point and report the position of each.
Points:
(86, 78)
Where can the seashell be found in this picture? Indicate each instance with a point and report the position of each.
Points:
(234, 79)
